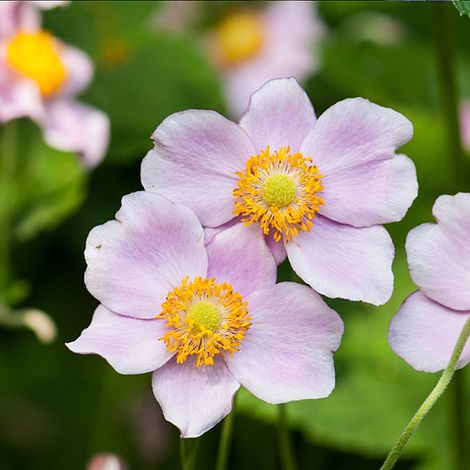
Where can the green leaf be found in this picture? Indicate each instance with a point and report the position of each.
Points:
(463, 6)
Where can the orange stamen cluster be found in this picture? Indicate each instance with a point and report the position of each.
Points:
(205, 319)
(271, 177)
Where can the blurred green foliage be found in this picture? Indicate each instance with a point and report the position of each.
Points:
(58, 409)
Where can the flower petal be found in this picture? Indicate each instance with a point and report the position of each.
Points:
(74, 127)
(79, 67)
(194, 398)
(352, 138)
(342, 261)
(239, 255)
(135, 260)
(277, 248)
(18, 97)
(130, 345)
(288, 351)
(439, 254)
(371, 193)
(195, 160)
(424, 333)
(279, 114)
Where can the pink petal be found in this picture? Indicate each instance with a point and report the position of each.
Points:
(194, 398)
(19, 97)
(288, 351)
(424, 333)
(134, 261)
(17, 15)
(439, 254)
(342, 261)
(372, 193)
(75, 127)
(352, 143)
(130, 345)
(239, 255)
(277, 248)
(79, 67)
(279, 114)
(196, 156)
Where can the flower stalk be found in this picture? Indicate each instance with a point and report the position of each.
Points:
(188, 452)
(430, 401)
(288, 461)
(225, 440)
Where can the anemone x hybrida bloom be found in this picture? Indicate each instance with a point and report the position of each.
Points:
(425, 329)
(39, 77)
(205, 317)
(317, 189)
(253, 45)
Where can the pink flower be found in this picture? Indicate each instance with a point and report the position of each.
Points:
(203, 319)
(23, 14)
(318, 188)
(465, 124)
(251, 47)
(39, 77)
(425, 329)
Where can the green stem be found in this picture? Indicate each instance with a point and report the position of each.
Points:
(444, 35)
(188, 451)
(285, 447)
(443, 16)
(7, 162)
(430, 401)
(225, 439)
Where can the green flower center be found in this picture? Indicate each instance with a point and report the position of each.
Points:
(279, 190)
(203, 316)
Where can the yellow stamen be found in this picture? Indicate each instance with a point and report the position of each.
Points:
(36, 56)
(205, 319)
(239, 37)
(280, 191)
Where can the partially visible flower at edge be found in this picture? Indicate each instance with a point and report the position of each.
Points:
(251, 46)
(318, 190)
(39, 77)
(425, 329)
(204, 314)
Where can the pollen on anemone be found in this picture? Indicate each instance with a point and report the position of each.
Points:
(317, 190)
(202, 311)
(39, 77)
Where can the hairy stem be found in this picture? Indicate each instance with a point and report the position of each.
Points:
(430, 401)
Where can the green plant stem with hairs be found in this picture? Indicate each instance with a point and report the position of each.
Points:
(430, 401)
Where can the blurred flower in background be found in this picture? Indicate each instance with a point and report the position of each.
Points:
(105, 461)
(465, 124)
(39, 78)
(251, 46)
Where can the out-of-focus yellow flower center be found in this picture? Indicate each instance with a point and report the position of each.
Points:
(240, 37)
(204, 319)
(36, 56)
(280, 191)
